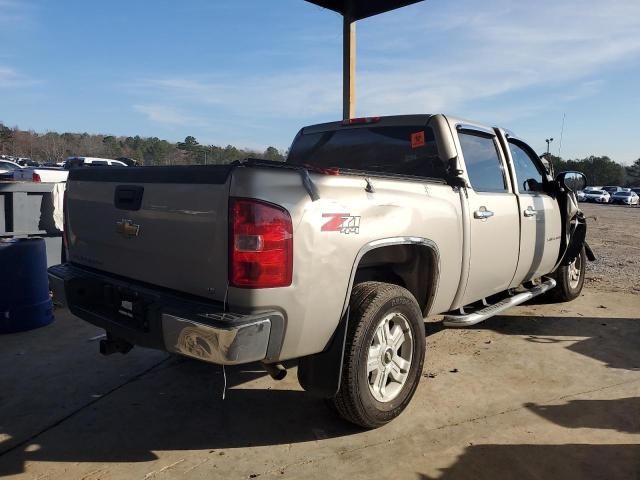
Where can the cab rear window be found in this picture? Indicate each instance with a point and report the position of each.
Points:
(393, 150)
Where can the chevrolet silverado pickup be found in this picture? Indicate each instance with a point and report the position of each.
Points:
(333, 258)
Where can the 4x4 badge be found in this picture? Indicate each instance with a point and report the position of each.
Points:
(341, 222)
(127, 228)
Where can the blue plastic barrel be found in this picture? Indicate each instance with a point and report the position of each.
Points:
(24, 287)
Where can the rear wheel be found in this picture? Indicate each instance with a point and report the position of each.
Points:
(384, 354)
(570, 279)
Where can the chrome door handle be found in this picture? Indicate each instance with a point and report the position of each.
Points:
(530, 212)
(483, 213)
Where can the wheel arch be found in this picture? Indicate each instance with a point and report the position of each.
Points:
(320, 374)
(411, 262)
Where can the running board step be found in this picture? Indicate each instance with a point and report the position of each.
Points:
(488, 312)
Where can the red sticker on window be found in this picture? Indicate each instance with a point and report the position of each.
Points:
(417, 140)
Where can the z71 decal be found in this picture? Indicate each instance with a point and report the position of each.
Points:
(341, 222)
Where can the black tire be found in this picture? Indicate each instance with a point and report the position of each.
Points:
(371, 303)
(566, 288)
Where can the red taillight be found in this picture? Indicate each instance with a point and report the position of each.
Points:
(260, 244)
(35, 177)
(323, 170)
(360, 120)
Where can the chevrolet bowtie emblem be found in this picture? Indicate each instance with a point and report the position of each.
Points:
(127, 228)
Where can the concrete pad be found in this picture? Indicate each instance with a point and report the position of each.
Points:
(547, 391)
(51, 372)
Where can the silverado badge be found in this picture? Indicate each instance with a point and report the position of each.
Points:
(127, 228)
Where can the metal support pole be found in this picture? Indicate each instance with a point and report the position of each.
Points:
(348, 68)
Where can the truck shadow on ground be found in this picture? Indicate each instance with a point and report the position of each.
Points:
(621, 415)
(524, 462)
(180, 407)
(612, 341)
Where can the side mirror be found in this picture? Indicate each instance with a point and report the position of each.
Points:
(572, 181)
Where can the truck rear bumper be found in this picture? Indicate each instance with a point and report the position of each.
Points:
(150, 317)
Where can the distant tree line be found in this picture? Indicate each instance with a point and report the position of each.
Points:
(54, 147)
(601, 171)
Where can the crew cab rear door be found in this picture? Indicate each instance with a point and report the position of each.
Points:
(493, 215)
(540, 223)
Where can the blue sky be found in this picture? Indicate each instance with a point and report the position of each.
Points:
(252, 72)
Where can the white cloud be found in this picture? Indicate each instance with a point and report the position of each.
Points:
(168, 115)
(12, 78)
(14, 13)
(484, 51)
(292, 94)
(508, 47)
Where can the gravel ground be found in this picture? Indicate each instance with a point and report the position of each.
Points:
(614, 236)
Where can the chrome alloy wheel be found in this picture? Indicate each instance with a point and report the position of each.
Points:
(389, 357)
(574, 271)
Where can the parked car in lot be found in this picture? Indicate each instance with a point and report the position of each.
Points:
(581, 196)
(611, 190)
(60, 174)
(598, 196)
(333, 259)
(27, 162)
(625, 198)
(636, 190)
(8, 169)
(42, 174)
(73, 162)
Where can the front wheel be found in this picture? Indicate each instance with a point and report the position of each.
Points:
(383, 357)
(570, 279)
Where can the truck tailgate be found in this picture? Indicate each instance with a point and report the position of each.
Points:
(162, 225)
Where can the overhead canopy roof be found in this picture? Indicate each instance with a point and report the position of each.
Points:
(359, 9)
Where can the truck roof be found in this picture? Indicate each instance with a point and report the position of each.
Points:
(392, 120)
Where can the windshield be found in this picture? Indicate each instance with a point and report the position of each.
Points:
(623, 194)
(596, 192)
(397, 150)
(8, 166)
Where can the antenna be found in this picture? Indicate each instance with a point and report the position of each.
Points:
(564, 115)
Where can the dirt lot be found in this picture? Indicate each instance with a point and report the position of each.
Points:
(614, 235)
(543, 392)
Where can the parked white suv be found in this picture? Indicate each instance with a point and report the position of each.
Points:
(598, 196)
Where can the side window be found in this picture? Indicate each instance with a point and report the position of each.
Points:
(528, 176)
(483, 162)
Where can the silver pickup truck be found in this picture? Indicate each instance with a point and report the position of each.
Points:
(333, 258)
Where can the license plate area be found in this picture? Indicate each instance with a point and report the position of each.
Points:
(126, 309)
(126, 306)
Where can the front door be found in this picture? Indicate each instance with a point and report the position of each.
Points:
(494, 229)
(540, 232)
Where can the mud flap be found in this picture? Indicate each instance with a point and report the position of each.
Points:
(590, 255)
(574, 230)
(577, 240)
(319, 374)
